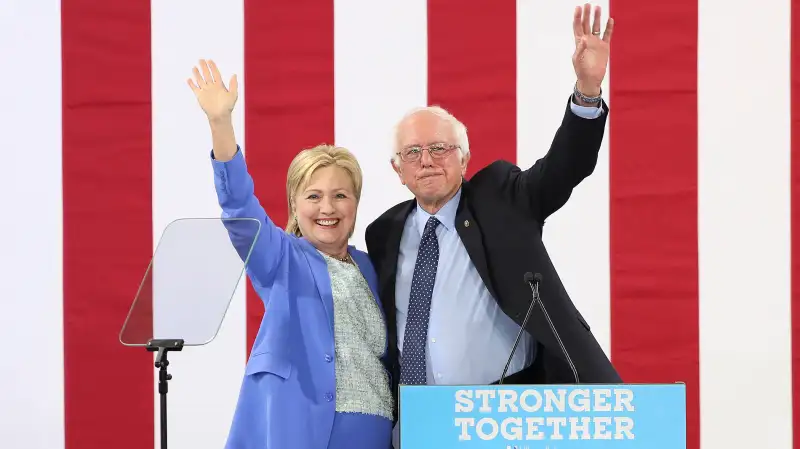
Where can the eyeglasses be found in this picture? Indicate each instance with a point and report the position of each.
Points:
(436, 150)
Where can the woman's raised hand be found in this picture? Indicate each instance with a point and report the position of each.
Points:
(216, 100)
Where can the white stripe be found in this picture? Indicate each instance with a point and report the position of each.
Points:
(205, 387)
(744, 224)
(31, 290)
(380, 72)
(31, 377)
(576, 236)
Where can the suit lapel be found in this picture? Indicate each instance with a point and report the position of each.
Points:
(387, 279)
(319, 269)
(470, 233)
(388, 273)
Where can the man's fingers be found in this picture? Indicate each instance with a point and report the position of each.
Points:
(577, 29)
(609, 31)
(587, 16)
(596, 21)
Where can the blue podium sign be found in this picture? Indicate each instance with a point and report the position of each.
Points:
(618, 416)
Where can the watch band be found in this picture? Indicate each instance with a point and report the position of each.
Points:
(584, 98)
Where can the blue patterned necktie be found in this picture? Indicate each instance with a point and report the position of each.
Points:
(413, 370)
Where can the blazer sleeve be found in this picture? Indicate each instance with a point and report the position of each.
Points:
(375, 238)
(236, 195)
(548, 184)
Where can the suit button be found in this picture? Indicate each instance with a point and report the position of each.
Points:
(328, 357)
(328, 397)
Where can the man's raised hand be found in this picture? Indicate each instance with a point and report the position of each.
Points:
(590, 58)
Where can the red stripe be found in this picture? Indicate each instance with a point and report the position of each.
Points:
(653, 210)
(107, 220)
(795, 164)
(472, 72)
(288, 103)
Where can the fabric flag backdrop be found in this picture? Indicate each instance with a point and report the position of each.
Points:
(678, 249)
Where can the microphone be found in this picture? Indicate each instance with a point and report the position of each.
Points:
(533, 280)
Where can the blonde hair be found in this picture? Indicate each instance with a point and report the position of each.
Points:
(309, 161)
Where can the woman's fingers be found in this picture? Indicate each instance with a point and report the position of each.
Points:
(209, 88)
(198, 78)
(234, 85)
(206, 72)
(215, 72)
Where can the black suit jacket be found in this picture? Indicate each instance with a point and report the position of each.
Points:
(500, 219)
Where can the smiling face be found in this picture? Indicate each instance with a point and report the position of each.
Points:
(432, 180)
(326, 209)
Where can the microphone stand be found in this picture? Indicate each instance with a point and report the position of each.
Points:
(533, 281)
(521, 330)
(162, 347)
(552, 328)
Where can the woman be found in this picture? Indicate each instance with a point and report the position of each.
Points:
(315, 378)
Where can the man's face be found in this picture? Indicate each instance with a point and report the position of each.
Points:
(432, 179)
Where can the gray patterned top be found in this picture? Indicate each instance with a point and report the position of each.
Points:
(362, 384)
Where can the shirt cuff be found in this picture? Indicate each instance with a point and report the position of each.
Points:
(589, 112)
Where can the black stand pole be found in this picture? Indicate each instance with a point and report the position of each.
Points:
(162, 347)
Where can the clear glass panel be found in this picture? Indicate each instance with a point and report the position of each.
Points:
(196, 267)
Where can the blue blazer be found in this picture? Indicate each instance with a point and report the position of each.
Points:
(288, 395)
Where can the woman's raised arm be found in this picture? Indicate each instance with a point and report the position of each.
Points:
(233, 183)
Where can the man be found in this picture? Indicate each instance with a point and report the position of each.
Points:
(451, 262)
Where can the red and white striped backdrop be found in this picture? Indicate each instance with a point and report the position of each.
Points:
(678, 249)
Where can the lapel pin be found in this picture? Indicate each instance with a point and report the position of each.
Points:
(466, 223)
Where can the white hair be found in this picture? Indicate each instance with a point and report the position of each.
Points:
(459, 129)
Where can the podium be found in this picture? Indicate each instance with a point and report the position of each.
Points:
(586, 416)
